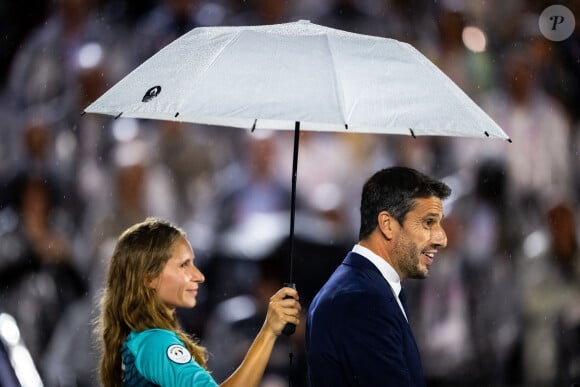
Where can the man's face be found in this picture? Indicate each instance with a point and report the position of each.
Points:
(418, 238)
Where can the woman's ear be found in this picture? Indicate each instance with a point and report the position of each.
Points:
(150, 282)
(386, 224)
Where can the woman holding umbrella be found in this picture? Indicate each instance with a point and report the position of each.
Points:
(151, 273)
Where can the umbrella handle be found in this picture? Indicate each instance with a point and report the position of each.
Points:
(289, 328)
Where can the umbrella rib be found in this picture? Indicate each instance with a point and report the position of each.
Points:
(339, 92)
(209, 64)
(456, 92)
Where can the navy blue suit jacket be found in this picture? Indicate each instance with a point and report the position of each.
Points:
(356, 334)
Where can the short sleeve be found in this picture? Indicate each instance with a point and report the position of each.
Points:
(163, 359)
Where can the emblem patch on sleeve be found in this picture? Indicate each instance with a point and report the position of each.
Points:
(178, 354)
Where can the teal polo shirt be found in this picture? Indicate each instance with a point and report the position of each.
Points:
(157, 357)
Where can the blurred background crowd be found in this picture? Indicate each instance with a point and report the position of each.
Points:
(502, 304)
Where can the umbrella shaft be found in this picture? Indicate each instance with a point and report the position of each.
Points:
(293, 198)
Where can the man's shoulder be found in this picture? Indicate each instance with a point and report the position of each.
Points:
(348, 287)
(356, 274)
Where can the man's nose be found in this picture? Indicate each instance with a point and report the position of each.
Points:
(439, 237)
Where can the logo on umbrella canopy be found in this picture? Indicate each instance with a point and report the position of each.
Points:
(151, 93)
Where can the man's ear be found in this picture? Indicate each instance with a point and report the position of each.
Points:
(386, 223)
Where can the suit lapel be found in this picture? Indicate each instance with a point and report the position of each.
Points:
(359, 262)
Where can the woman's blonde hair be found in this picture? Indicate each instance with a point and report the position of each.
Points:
(127, 304)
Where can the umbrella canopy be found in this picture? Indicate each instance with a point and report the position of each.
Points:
(297, 76)
(276, 75)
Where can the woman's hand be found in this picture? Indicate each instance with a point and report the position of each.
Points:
(283, 308)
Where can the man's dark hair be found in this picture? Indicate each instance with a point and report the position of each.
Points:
(394, 190)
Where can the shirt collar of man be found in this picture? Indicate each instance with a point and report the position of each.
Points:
(387, 271)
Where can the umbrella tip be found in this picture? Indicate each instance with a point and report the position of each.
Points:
(509, 140)
(83, 113)
(254, 126)
(176, 115)
(486, 134)
(119, 115)
(346, 126)
(412, 133)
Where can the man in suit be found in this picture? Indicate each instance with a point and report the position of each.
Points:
(357, 332)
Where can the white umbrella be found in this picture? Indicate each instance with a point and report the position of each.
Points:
(297, 76)
(276, 75)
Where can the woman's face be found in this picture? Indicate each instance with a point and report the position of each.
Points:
(178, 283)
